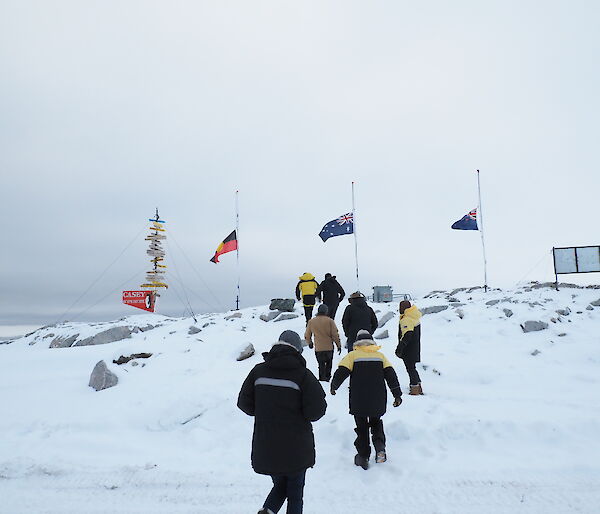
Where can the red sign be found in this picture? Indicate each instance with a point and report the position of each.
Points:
(141, 299)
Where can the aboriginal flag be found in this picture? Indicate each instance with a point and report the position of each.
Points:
(229, 244)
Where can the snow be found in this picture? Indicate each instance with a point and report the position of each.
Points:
(498, 430)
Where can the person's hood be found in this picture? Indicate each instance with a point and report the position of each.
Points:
(283, 356)
(367, 345)
(359, 302)
(413, 313)
(307, 276)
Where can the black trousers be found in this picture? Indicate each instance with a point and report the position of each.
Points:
(290, 487)
(362, 444)
(332, 309)
(411, 369)
(308, 310)
(325, 360)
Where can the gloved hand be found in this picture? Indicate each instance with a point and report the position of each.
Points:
(340, 350)
(332, 391)
(397, 402)
(310, 345)
(400, 349)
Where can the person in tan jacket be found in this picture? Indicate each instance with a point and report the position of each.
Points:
(325, 333)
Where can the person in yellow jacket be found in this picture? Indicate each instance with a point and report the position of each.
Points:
(306, 289)
(326, 333)
(409, 343)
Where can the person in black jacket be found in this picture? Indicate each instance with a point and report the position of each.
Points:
(368, 370)
(332, 293)
(358, 316)
(284, 397)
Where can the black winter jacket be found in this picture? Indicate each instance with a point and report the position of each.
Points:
(409, 346)
(358, 316)
(333, 293)
(284, 397)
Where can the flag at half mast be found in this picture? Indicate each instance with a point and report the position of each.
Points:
(229, 244)
(467, 222)
(338, 227)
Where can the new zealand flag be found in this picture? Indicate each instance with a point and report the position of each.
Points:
(338, 227)
(467, 222)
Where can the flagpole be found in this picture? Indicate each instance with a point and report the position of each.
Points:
(480, 224)
(355, 239)
(237, 235)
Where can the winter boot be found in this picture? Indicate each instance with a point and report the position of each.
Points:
(265, 511)
(363, 462)
(416, 390)
(381, 457)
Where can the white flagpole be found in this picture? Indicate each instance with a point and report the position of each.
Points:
(355, 240)
(480, 225)
(237, 252)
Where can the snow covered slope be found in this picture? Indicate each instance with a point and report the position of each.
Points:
(509, 422)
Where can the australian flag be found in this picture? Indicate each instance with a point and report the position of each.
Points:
(467, 222)
(338, 227)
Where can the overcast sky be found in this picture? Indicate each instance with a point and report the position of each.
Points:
(111, 108)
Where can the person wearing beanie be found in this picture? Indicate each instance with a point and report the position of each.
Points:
(285, 398)
(332, 293)
(369, 371)
(306, 290)
(409, 344)
(326, 334)
(357, 316)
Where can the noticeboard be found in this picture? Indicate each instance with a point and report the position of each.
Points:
(576, 259)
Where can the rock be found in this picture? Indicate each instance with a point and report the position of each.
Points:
(459, 304)
(595, 303)
(124, 360)
(108, 336)
(282, 304)
(194, 330)
(63, 342)
(534, 326)
(458, 290)
(102, 378)
(562, 334)
(507, 312)
(563, 312)
(285, 316)
(460, 313)
(535, 352)
(246, 353)
(589, 308)
(492, 302)
(270, 316)
(235, 315)
(382, 335)
(433, 309)
(554, 320)
(453, 300)
(385, 318)
(135, 363)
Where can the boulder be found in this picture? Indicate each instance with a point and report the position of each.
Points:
(270, 316)
(589, 308)
(124, 360)
(63, 342)
(595, 303)
(453, 300)
(235, 315)
(492, 302)
(102, 378)
(285, 316)
(563, 312)
(194, 330)
(282, 304)
(535, 352)
(385, 318)
(460, 313)
(507, 312)
(534, 326)
(382, 335)
(433, 309)
(107, 336)
(246, 353)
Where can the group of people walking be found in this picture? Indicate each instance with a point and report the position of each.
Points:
(285, 397)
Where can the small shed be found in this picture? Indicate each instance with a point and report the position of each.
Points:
(383, 294)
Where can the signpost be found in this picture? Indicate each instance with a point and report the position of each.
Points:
(576, 259)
